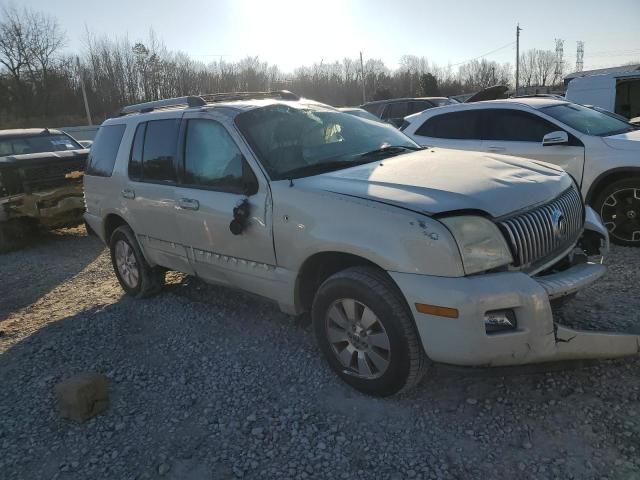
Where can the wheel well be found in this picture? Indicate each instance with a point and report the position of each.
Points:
(607, 178)
(112, 222)
(317, 268)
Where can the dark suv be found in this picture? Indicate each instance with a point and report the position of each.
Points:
(393, 111)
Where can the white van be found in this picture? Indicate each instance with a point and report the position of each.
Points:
(615, 92)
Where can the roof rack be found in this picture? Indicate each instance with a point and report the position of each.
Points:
(202, 100)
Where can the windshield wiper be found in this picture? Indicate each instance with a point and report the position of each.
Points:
(389, 149)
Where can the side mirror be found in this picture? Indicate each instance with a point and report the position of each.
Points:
(555, 138)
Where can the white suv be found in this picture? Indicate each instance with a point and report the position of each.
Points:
(602, 153)
(399, 254)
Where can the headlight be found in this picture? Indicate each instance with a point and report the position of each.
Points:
(481, 244)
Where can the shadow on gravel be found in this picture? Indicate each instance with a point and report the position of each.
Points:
(51, 259)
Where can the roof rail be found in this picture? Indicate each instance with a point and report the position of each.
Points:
(230, 96)
(189, 101)
(202, 100)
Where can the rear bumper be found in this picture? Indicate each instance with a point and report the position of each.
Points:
(537, 338)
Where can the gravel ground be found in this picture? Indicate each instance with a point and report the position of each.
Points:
(207, 383)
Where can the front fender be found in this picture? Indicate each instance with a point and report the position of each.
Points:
(307, 222)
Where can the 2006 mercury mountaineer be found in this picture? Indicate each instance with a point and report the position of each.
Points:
(400, 254)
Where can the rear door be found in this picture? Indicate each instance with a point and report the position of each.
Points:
(519, 133)
(150, 193)
(215, 179)
(459, 130)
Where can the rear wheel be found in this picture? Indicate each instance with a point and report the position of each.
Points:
(136, 277)
(365, 331)
(619, 207)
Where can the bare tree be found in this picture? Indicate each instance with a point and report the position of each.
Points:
(29, 43)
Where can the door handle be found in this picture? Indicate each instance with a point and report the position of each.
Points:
(189, 203)
(127, 193)
(496, 149)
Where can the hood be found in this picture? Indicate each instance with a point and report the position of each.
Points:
(624, 141)
(496, 92)
(439, 180)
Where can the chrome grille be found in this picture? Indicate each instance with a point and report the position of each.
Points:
(536, 235)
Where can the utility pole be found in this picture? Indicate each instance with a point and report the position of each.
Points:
(84, 93)
(517, 57)
(364, 97)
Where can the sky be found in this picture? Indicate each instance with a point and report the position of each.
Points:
(291, 33)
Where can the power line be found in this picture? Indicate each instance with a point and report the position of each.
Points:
(484, 55)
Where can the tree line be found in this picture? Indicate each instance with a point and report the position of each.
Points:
(40, 84)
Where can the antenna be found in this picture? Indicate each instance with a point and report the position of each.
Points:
(580, 56)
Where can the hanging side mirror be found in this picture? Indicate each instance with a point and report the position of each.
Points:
(555, 138)
(241, 213)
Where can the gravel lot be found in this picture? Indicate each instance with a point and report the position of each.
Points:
(207, 383)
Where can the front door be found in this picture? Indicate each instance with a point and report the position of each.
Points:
(216, 178)
(518, 133)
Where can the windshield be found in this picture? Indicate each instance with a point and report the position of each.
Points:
(36, 144)
(587, 120)
(294, 141)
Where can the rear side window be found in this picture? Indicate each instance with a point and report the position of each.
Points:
(515, 126)
(454, 125)
(415, 107)
(135, 160)
(154, 151)
(374, 108)
(396, 110)
(102, 156)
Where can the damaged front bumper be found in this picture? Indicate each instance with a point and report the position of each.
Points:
(57, 207)
(529, 334)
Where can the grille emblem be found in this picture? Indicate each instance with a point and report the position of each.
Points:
(558, 222)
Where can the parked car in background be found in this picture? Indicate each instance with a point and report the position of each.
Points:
(359, 112)
(40, 182)
(400, 254)
(616, 92)
(393, 111)
(600, 152)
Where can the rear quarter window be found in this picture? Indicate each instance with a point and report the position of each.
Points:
(103, 153)
(454, 125)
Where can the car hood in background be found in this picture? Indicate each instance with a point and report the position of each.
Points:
(496, 92)
(439, 180)
(624, 141)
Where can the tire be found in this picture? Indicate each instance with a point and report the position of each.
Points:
(619, 209)
(359, 292)
(136, 278)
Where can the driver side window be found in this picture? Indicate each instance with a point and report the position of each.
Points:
(211, 157)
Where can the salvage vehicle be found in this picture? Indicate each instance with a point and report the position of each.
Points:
(401, 255)
(601, 152)
(40, 182)
(394, 110)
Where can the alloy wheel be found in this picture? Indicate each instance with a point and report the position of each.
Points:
(620, 213)
(358, 339)
(127, 264)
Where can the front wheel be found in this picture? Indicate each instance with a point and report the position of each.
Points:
(136, 277)
(365, 331)
(619, 207)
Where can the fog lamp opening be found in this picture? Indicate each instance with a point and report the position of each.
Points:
(497, 321)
